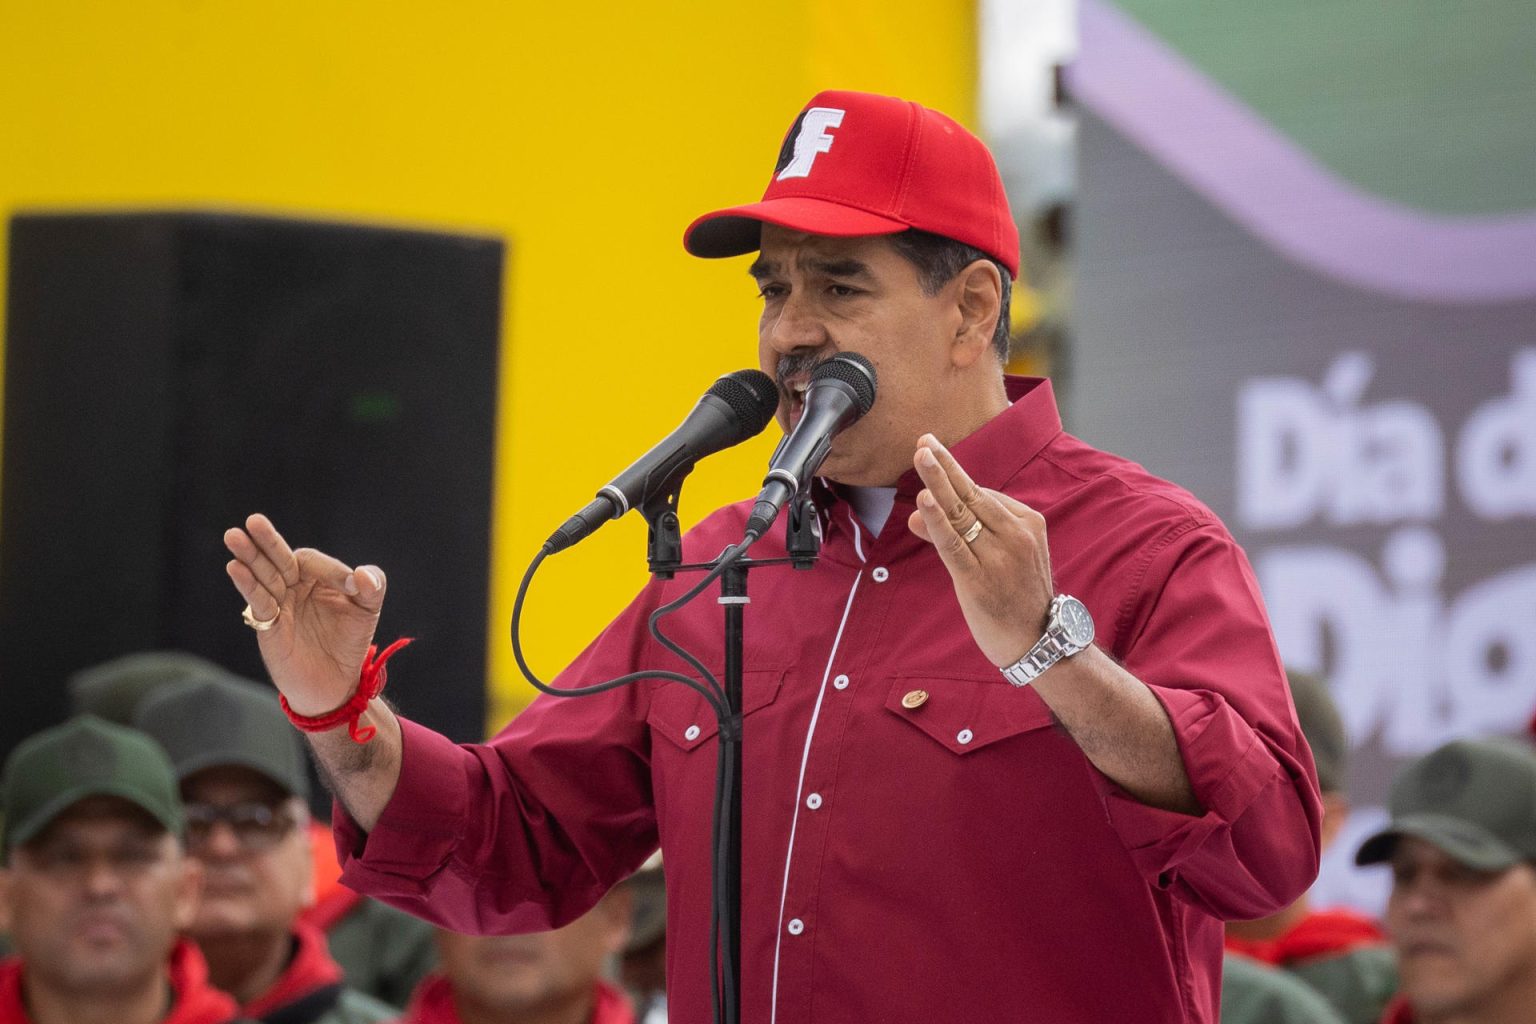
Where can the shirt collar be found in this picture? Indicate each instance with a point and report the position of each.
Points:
(994, 454)
(311, 968)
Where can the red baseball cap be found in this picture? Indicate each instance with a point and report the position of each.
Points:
(855, 163)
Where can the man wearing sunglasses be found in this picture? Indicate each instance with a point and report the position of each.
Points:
(242, 778)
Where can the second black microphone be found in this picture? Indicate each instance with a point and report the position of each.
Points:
(841, 390)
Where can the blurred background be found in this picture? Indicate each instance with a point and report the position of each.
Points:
(410, 280)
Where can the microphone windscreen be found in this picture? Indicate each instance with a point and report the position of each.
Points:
(855, 371)
(753, 398)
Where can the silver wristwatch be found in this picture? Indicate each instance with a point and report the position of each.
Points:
(1068, 629)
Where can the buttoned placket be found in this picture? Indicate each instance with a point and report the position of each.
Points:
(841, 698)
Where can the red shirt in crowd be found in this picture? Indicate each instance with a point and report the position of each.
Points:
(1321, 933)
(432, 1003)
(921, 838)
(194, 1000)
(310, 969)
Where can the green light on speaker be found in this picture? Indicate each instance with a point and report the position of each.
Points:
(375, 407)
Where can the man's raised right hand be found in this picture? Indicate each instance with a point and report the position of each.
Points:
(325, 614)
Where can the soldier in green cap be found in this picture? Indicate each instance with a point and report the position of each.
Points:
(382, 951)
(1260, 994)
(1338, 952)
(1462, 913)
(241, 771)
(114, 689)
(95, 887)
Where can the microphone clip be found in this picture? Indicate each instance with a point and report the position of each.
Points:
(802, 532)
(664, 531)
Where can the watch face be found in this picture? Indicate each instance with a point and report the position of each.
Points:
(1075, 621)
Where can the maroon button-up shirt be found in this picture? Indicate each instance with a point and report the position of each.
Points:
(956, 860)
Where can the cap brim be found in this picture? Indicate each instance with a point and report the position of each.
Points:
(23, 832)
(267, 768)
(1468, 844)
(738, 230)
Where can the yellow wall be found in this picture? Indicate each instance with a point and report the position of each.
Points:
(587, 135)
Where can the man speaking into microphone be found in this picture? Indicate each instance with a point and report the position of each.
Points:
(1015, 746)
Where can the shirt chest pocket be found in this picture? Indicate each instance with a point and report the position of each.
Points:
(683, 718)
(966, 715)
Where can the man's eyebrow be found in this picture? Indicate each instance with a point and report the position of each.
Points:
(840, 268)
(762, 268)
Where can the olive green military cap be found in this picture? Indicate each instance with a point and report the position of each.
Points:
(1473, 799)
(114, 689)
(86, 756)
(211, 723)
(1323, 727)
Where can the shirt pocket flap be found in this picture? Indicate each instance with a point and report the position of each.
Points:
(966, 714)
(683, 716)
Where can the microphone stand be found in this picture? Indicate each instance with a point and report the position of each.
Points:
(664, 550)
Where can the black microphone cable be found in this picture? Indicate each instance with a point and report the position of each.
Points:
(722, 967)
(842, 389)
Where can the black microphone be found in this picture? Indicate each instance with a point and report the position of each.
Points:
(736, 407)
(841, 390)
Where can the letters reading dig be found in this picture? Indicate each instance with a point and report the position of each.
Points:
(812, 140)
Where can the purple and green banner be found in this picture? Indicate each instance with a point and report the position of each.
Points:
(1307, 291)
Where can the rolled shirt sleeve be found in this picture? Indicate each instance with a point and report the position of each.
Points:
(1198, 637)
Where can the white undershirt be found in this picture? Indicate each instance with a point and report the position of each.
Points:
(871, 504)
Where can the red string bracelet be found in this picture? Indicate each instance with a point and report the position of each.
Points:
(370, 684)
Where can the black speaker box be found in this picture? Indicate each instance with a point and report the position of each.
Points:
(168, 373)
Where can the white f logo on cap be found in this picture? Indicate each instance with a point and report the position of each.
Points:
(812, 140)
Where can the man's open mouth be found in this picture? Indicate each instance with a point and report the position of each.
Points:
(794, 398)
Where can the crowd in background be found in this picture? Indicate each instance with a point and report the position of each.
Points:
(162, 864)
(1458, 943)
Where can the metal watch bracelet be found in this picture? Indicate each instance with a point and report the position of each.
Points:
(1047, 651)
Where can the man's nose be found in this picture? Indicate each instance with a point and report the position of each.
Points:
(1418, 899)
(103, 877)
(794, 325)
(221, 840)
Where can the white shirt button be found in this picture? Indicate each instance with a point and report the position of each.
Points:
(965, 736)
(813, 801)
(691, 734)
(881, 574)
(796, 926)
(841, 682)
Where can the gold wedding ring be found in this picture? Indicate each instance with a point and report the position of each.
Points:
(259, 625)
(969, 536)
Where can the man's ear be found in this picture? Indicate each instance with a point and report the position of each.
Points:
(619, 906)
(978, 292)
(189, 891)
(311, 890)
(5, 898)
(1335, 813)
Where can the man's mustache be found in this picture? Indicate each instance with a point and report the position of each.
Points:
(794, 365)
